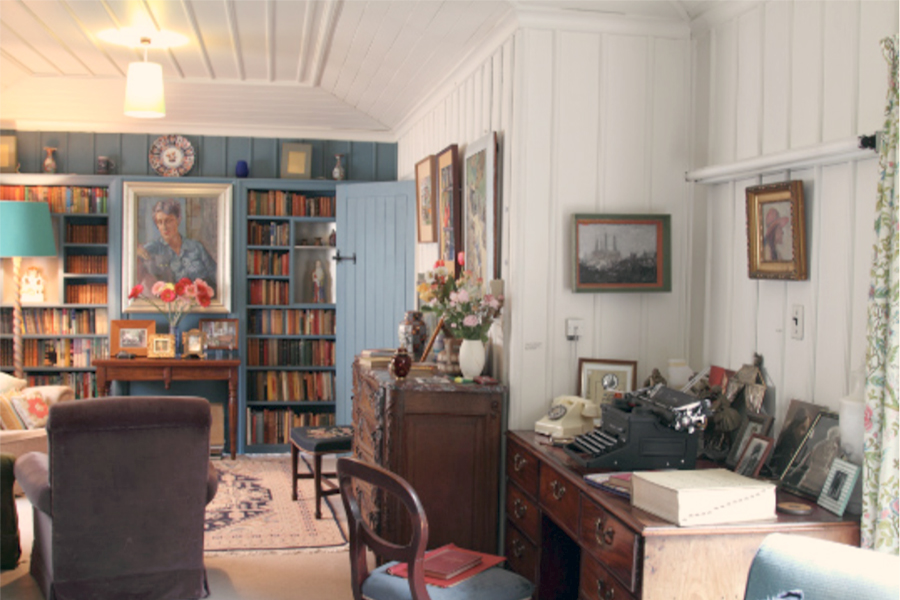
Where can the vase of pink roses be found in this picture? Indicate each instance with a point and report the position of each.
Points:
(173, 300)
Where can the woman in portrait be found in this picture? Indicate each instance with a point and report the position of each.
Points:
(173, 256)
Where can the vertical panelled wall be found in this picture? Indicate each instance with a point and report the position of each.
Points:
(602, 127)
(781, 76)
(479, 102)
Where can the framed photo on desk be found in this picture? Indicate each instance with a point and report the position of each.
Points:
(600, 379)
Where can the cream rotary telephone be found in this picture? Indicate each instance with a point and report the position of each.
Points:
(568, 416)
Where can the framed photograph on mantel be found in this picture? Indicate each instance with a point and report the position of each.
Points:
(449, 205)
(426, 223)
(173, 230)
(481, 232)
(622, 253)
(776, 231)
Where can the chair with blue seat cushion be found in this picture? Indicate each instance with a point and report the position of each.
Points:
(495, 583)
(319, 442)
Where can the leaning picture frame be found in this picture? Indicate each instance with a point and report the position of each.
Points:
(776, 231)
(220, 334)
(621, 253)
(161, 345)
(799, 418)
(809, 468)
(838, 486)
(449, 206)
(754, 456)
(165, 220)
(130, 335)
(426, 220)
(753, 423)
(296, 160)
(600, 379)
(480, 215)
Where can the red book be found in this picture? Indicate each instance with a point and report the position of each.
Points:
(487, 561)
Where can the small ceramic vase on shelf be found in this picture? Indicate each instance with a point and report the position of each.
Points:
(49, 161)
(338, 171)
(471, 358)
(413, 333)
(400, 363)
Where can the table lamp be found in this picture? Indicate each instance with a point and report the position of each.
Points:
(25, 230)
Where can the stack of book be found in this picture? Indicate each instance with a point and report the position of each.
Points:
(376, 358)
(448, 565)
(615, 483)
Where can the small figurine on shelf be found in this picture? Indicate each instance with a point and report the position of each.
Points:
(318, 282)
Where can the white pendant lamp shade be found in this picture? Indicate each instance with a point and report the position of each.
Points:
(144, 97)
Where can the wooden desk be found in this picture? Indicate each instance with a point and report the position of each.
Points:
(575, 541)
(174, 369)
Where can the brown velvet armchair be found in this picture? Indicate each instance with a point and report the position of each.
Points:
(119, 502)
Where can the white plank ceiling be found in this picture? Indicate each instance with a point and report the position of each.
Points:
(268, 68)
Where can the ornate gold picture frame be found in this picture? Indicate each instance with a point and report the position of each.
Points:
(776, 231)
(162, 345)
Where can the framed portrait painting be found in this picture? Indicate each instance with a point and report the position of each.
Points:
(799, 418)
(601, 379)
(480, 220)
(176, 230)
(809, 468)
(426, 223)
(622, 253)
(449, 205)
(131, 336)
(776, 231)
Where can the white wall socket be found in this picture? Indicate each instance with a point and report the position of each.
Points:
(797, 322)
(574, 328)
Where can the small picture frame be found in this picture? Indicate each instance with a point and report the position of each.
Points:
(296, 160)
(131, 336)
(192, 342)
(161, 345)
(449, 205)
(621, 253)
(776, 231)
(9, 160)
(810, 466)
(600, 380)
(838, 486)
(220, 334)
(426, 219)
(754, 456)
(753, 423)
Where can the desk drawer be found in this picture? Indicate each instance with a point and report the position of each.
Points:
(523, 511)
(559, 498)
(596, 582)
(610, 541)
(522, 467)
(521, 554)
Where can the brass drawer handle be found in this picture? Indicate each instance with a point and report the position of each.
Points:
(558, 489)
(519, 461)
(518, 548)
(604, 538)
(519, 508)
(610, 592)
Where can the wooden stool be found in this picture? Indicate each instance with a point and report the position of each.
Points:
(318, 441)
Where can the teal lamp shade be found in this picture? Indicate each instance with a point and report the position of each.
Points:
(26, 230)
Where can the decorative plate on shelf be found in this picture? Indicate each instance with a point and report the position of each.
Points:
(172, 155)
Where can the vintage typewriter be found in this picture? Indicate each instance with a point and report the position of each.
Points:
(652, 428)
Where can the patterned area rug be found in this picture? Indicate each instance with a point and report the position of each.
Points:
(253, 511)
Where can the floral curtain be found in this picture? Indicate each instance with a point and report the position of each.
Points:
(882, 459)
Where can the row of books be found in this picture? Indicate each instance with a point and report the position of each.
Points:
(274, 426)
(290, 386)
(275, 352)
(266, 262)
(87, 264)
(269, 292)
(291, 321)
(83, 382)
(280, 203)
(58, 321)
(76, 352)
(268, 234)
(87, 234)
(62, 199)
(86, 293)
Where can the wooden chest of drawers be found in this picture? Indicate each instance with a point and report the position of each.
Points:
(442, 437)
(575, 541)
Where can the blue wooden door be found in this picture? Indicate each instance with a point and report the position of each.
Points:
(376, 223)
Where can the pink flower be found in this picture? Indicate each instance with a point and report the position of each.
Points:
(867, 418)
(470, 321)
(462, 295)
(167, 295)
(158, 288)
(492, 301)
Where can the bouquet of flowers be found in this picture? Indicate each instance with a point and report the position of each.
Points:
(175, 299)
(467, 312)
